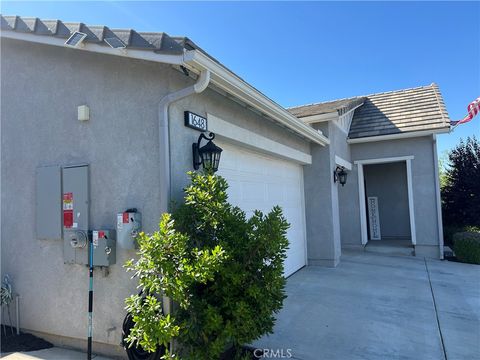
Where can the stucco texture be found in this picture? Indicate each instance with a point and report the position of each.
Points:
(423, 184)
(41, 89)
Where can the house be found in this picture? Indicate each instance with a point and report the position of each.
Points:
(113, 114)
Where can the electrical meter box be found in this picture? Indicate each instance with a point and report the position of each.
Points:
(75, 213)
(129, 224)
(104, 247)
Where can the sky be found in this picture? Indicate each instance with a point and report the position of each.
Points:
(305, 52)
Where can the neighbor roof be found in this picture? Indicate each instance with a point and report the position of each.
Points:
(395, 112)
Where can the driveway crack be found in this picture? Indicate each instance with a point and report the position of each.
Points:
(436, 310)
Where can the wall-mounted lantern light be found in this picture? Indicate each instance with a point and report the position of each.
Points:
(208, 155)
(340, 175)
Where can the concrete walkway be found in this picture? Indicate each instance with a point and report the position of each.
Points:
(380, 307)
(54, 353)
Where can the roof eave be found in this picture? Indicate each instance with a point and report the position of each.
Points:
(397, 136)
(231, 83)
(197, 61)
(173, 59)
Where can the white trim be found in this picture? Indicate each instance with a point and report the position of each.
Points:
(362, 205)
(411, 209)
(197, 62)
(319, 118)
(304, 216)
(92, 47)
(361, 194)
(384, 160)
(329, 116)
(250, 139)
(231, 83)
(438, 198)
(342, 162)
(404, 135)
(339, 126)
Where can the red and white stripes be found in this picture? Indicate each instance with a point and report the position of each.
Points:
(473, 109)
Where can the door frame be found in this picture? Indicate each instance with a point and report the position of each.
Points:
(361, 193)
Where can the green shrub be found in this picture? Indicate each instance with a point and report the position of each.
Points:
(224, 272)
(450, 230)
(466, 246)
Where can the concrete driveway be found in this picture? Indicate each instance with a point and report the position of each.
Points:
(380, 307)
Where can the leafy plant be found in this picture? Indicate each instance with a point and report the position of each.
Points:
(168, 266)
(461, 185)
(467, 247)
(223, 270)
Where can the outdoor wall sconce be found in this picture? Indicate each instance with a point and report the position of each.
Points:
(340, 175)
(208, 155)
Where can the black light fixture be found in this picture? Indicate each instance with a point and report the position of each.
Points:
(208, 155)
(340, 175)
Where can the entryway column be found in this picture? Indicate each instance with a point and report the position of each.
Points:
(321, 209)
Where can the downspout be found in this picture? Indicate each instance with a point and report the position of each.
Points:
(163, 133)
(164, 148)
(438, 198)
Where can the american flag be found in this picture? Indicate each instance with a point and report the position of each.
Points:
(473, 109)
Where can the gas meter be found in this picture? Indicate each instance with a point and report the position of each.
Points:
(129, 224)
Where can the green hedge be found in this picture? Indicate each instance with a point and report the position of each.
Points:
(450, 230)
(466, 246)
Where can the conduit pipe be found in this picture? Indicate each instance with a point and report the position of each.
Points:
(163, 133)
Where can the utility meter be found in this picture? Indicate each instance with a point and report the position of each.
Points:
(75, 246)
(129, 224)
(104, 249)
(75, 213)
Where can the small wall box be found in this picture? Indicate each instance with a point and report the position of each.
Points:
(104, 247)
(83, 113)
(129, 224)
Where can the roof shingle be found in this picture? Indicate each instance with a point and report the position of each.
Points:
(394, 112)
(154, 41)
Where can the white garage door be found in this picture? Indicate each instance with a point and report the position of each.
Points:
(260, 182)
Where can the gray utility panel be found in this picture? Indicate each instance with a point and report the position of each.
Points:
(104, 251)
(48, 189)
(75, 214)
(129, 224)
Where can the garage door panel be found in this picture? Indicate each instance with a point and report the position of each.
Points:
(259, 182)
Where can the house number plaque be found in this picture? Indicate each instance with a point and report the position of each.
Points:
(195, 121)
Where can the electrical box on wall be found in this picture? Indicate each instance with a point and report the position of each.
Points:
(129, 224)
(75, 214)
(104, 247)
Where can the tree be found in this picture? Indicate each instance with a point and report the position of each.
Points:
(223, 271)
(461, 191)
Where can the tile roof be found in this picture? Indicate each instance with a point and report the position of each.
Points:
(158, 42)
(394, 112)
(339, 106)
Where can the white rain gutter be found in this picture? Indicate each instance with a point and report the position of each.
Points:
(196, 61)
(404, 135)
(163, 133)
(438, 201)
(226, 80)
(164, 148)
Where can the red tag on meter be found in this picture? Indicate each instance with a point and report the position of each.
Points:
(68, 218)
(125, 218)
(68, 210)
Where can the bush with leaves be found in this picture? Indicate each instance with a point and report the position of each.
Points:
(467, 246)
(224, 272)
(461, 186)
